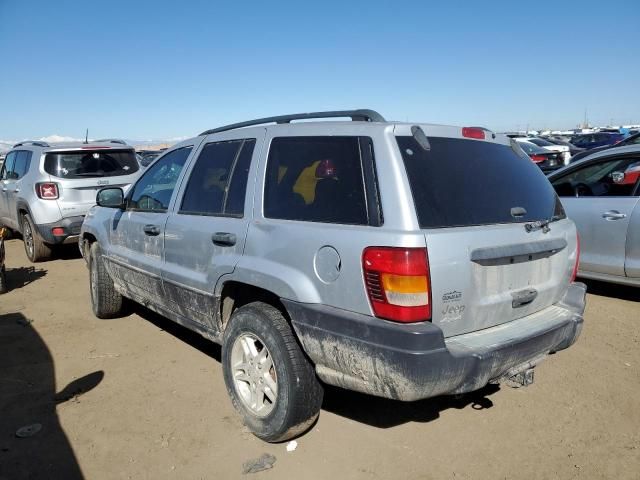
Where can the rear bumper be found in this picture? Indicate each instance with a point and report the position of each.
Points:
(70, 230)
(414, 361)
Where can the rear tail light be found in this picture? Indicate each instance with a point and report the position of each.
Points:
(398, 283)
(58, 231)
(47, 190)
(473, 132)
(538, 158)
(575, 267)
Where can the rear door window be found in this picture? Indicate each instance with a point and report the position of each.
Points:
(21, 167)
(316, 179)
(460, 182)
(91, 163)
(218, 182)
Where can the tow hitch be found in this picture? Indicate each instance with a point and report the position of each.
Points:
(521, 375)
(522, 379)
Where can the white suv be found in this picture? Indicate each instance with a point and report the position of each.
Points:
(45, 190)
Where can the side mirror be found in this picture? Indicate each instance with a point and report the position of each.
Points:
(112, 197)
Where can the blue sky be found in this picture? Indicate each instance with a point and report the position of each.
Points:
(156, 70)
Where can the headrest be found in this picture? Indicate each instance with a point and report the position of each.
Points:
(326, 169)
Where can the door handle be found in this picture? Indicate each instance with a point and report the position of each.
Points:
(151, 230)
(223, 239)
(614, 215)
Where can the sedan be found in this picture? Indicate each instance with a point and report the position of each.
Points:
(547, 160)
(630, 140)
(601, 195)
(542, 143)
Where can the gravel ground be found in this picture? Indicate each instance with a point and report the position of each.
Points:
(140, 397)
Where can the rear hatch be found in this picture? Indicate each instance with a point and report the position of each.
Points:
(480, 205)
(81, 172)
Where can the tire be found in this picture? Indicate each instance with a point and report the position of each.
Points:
(106, 302)
(34, 247)
(4, 288)
(292, 406)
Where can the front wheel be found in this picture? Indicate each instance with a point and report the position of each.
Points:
(105, 300)
(269, 379)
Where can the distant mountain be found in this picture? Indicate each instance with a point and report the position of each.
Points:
(6, 145)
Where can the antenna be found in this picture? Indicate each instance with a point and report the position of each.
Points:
(86, 136)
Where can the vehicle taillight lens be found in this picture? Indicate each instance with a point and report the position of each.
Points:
(47, 191)
(473, 132)
(538, 158)
(575, 267)
(397, 282)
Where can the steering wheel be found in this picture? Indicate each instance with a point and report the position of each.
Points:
(582, 190)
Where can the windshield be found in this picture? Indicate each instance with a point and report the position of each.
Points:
(467, 182)
(91, 163)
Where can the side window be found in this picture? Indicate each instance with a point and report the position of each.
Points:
(615, 177)
(21, 167)
(218, 182)
(154, 189)
(315, 179)
(7, 169)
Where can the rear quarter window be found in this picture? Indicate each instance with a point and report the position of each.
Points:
(460, 182)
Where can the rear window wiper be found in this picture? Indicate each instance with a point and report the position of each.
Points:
(542, 224)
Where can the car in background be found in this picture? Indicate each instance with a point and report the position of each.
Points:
(542, 143)
(596, 139)
(630, 140)
(559, 140)
(547, 160)
(148, 156)
(46, 190)
(601, 194)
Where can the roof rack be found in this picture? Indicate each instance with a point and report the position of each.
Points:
(111, 140)
(362, 115)
(31, 142)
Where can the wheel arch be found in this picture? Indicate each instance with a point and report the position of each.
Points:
(234, 294)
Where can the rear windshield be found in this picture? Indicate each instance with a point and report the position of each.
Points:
(91, 163)
(468, 182)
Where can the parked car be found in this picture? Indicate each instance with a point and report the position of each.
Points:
(564, 150)
(601, 195)
(559, 140)
(597, 139)
(630, 140)
(547, 160)
(47, 189)
(400, 260)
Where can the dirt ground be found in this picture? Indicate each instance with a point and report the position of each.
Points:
(140, 397)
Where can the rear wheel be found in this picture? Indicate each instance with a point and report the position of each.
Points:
(269, 379)
(105, 300)
(34, 247)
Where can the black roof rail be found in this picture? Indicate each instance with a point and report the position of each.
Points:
(363, 115)
(37, 143)
(111, 140)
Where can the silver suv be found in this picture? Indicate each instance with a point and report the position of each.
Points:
(401, 260)
(47, 189)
